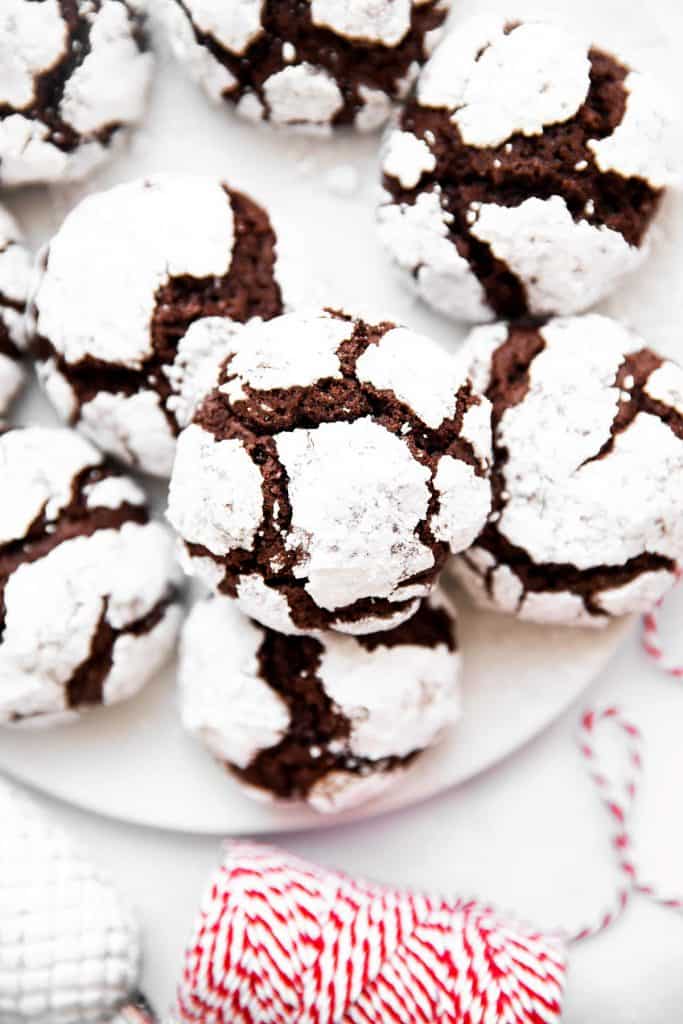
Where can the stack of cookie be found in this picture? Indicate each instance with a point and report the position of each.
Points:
(325, 470)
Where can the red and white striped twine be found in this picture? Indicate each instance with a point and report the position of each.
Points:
(618, 794)
(653, 644)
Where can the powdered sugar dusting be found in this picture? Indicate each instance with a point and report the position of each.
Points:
(417, 236)
(131, 427)
(565, 265)
(215, 496)
(224, 701)
(295, 350)
(464, 503)
(53, 607)
(499, 82)
(32, 39)
(31, 482)
(357, 497)
(428, 385)
(97, 295)
(577, 492)
(407, 158)
(398, 699)
(640, 146)
(97, 94)
(302, 95)
(235, 25)
(104, 92)
(375, 21)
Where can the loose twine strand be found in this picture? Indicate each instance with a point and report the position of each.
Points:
(653, 644)
(618, 791)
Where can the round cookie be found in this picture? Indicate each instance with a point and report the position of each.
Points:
(326, 478)
(523, 174)
(310, 65)
(15, 273)
(124, 277)
(587, 518)
(74, 78)
(88, 585)
(333, 720)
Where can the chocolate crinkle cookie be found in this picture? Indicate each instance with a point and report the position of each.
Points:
(15, 274)
(524, 173)
(111, 308)
(73, 77)
(307, 64)
(333, 720)
(326, 478)
(587, 518)
(88, 585)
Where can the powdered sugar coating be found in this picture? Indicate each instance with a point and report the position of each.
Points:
(97, 299)
(234, 25)
(407, 158)
(499, 82)
(223, 699)
(87, 595)
(385, 22)
(565, 265)
(15, 273)
(640, 147)
(215, 495)
(102, 75)
(428, 388)
(296, 350)
(341, 522)
(214, 77)
(495, 177)
(306, 66)
(302, 95)
(397, 699)
(591, 477)
(97, 296)
(352, 547)
(417, 235)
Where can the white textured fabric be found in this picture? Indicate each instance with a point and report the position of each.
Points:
(69, 946)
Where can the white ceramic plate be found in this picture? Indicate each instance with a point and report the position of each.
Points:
(133, 762)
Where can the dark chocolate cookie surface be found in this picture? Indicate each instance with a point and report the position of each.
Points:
(88, 609)
(524, 173)
(326, 478)
(587, 519)
(111, 319)
(75, 77)
(332, 720)
(307, 64)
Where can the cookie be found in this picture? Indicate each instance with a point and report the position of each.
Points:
(15, 273)
(587, 520)
(524, 173)
(313, 65)
(88, 586)
(333, 720)
(74, 79)
(326, 478)
(124, 277)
